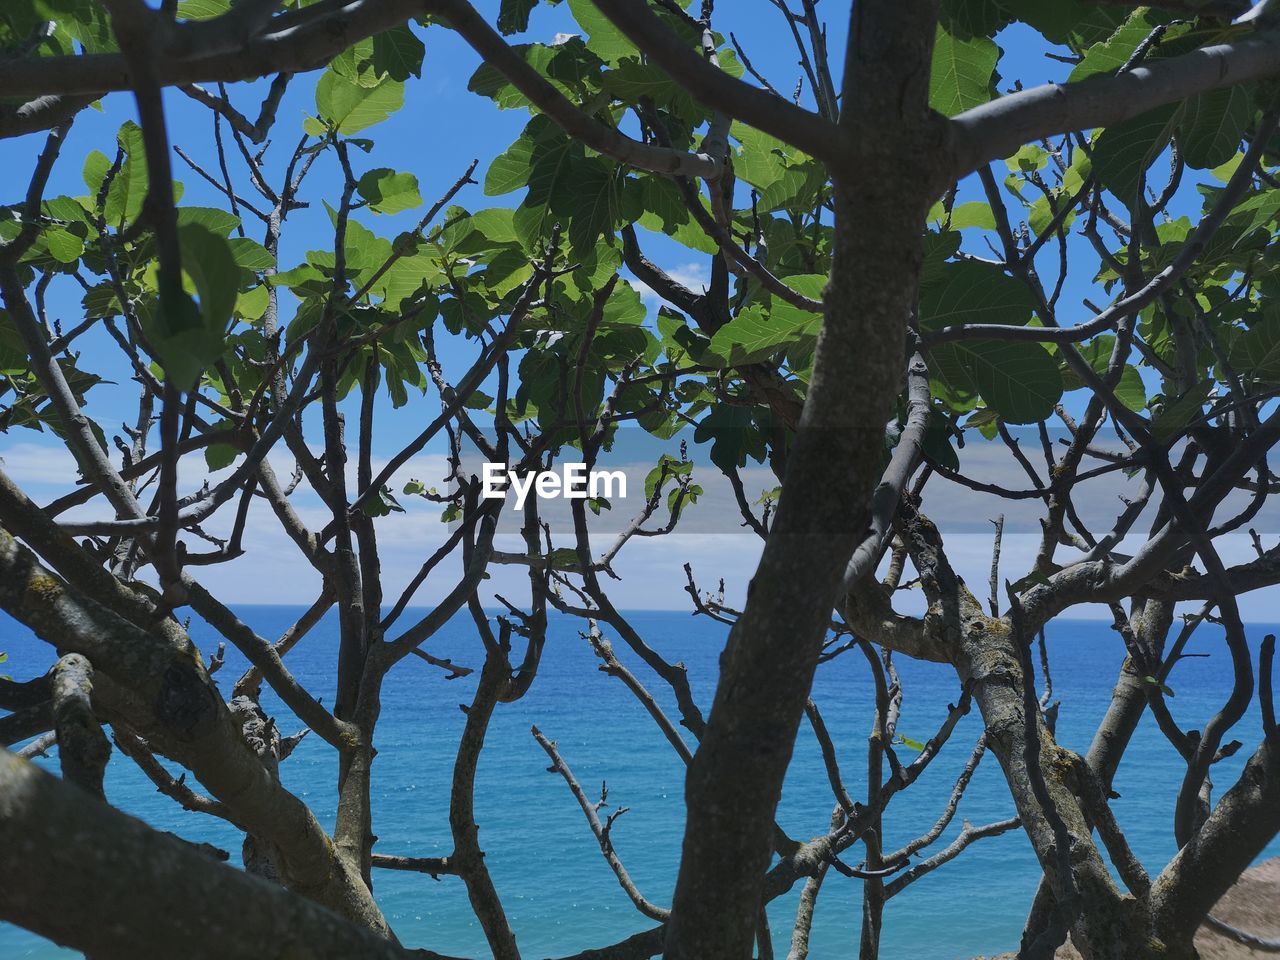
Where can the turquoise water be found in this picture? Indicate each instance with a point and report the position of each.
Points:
(560, 895)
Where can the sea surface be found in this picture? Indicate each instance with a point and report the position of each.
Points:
(561, 896)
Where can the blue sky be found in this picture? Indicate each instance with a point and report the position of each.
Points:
(440, 131)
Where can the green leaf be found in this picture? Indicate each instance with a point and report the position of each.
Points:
(551, 163)
(1164, 688)
(252, 304)
(734, 435)
(678, 338)
(1099, 23)
(661, 201)
(939, 247)
(202, 9)
(972, 292)
(513, 16)
(665, 213)
(388, 191)
(1042, 213)
(603, 39)
(668, 468)
(207, 259)
(564, 186)
(962, 73)
(406, 278)
(1223, 171)
(64, 246)
(495, 225)
(13, 349)
(753, 335)
(1123, 152)
(1112, 54)
(219, 456)
(632, 82)
(188, 338)
(937, 442)
(592, 205)
(382, 504)
(1018, 379)
(350, 107)
(757, 333)
(1055, 20)
(251, 255)
(563, 558)
(567, 65)
(96, 166)
(1173, 416)
(211, 218)
(507, 270)
(355, 64)
(762, 160)
(398, 53)
(1213, 124)
(797, 190)
(623, 308)
(1129, 390)
(1028, 159)
(129, 188)
(510, 170)
(811, 285)
(966, 19)
(975, 213)
(1255, 353)
(1255, 211)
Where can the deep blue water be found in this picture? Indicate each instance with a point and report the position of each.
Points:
(560, 895)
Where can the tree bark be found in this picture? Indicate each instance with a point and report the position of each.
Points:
(881, 201)
(83, 749)
(163, 691)
(66, 855)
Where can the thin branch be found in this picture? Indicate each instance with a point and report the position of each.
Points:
(968, 836)
(600, 830)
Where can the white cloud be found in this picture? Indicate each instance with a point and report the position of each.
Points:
(35, 464)
(651, 569)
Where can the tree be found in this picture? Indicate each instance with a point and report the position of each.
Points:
(848, 337)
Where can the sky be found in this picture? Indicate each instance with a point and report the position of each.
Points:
(440, 131)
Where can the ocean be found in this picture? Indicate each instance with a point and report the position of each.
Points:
(560, 895)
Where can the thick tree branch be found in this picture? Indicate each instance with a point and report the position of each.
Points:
(736, 777)
(165, 694)
(72, 892)
(83, 749)
(996, 129)
(1240, 827)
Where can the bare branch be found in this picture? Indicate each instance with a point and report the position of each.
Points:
(600, 830)
(996, 129)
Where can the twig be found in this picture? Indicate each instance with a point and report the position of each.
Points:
(600, 830)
